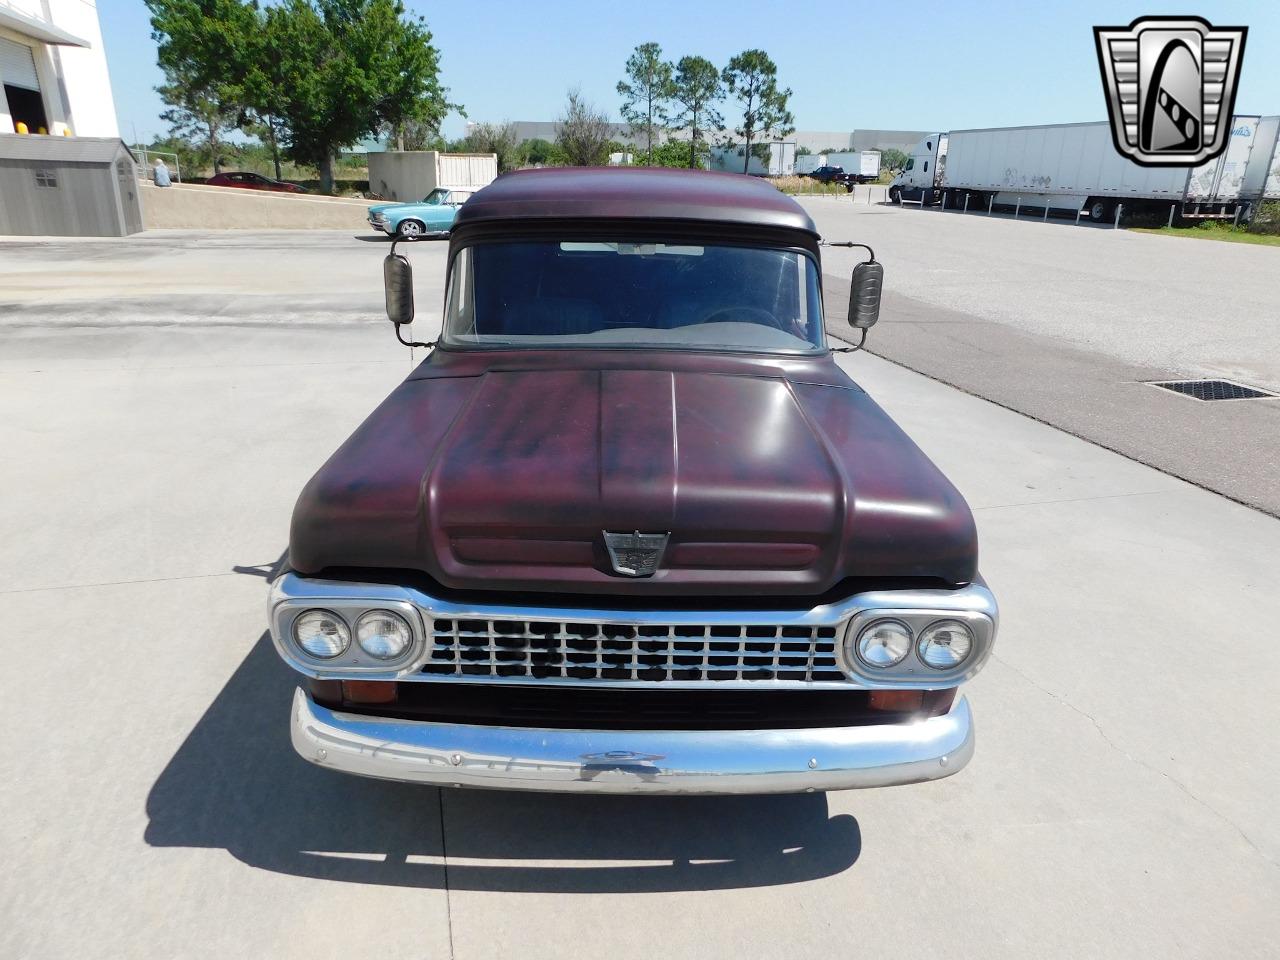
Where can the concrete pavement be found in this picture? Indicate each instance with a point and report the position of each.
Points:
(1121, 799)
(1199, 307)
(1070, 324)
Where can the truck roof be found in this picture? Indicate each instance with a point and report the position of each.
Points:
(634, 193)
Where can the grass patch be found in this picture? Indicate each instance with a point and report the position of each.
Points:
(1215, 230)
(808, 187)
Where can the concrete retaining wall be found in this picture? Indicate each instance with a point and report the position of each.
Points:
(194, 207)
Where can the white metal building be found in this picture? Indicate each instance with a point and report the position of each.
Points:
(409, 175)
(53, 69)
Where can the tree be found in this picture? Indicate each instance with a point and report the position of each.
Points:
(266, 129)
(412, 135)
(583, 134)
(539, 152)
(893, 159)
(646, 92)
(198, 116)
(347, 67)
(697, 88)
(803, 151)
(675, 153)
(205, 49)
(752, 78)
(497, 138)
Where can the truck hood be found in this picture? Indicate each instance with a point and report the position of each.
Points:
(507, 478)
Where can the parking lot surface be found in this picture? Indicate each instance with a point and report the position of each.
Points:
(1070, 324)
(1121, 801)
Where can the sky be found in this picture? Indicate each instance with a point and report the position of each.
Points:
(908, 66)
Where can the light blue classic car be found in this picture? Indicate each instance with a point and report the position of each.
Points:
(432, 216)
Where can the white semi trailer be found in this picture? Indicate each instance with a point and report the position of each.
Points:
(780, 161)
(1075, 167)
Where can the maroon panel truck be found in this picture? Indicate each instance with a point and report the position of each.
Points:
(629, 528)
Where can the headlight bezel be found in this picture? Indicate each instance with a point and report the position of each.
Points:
(912, 671)
(354, 661)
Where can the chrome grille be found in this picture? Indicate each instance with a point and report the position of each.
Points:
(553, 650)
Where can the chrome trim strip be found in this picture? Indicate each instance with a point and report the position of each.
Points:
(634, 761)
(293, 592)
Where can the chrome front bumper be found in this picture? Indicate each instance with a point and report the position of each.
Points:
(634, 761)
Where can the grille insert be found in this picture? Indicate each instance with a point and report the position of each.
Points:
(1212, 389)
(550, 650)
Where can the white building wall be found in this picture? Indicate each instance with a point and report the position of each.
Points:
(407, 176)
(74, 81)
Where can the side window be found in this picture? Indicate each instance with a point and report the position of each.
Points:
(926, 166)
(460, 310)
(46, 177)
(911, 164)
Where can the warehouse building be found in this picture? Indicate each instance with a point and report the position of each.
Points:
(53, 70)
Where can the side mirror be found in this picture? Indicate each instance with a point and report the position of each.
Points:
(397, 279)
(864, 294)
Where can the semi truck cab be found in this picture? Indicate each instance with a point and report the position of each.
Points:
(920, 178)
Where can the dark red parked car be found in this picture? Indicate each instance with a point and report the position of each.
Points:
(253, 181)
(629, 528)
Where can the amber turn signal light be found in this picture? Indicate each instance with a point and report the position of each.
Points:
(369, 691)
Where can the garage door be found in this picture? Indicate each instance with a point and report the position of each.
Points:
(17, 65)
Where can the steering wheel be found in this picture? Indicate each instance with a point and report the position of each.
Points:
(745, 314)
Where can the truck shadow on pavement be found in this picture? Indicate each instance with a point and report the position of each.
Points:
(236, 783)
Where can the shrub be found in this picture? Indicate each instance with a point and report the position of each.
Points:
(674, 153)
(1267, 219)
(807, 186)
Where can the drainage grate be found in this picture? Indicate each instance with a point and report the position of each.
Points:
(1212, 389)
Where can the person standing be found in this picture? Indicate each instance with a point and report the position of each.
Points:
(160, 174)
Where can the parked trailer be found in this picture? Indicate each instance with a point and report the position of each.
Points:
(810, 162)
(781, 161)
(1075, 167)
(864, 165)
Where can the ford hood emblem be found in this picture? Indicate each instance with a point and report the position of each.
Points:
(635, 554)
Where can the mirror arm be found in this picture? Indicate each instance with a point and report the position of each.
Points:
(412, 343)
(848, 243)
(856, 347)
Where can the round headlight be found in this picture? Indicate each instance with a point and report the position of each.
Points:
(945, 644)
(383, 635)
(321, 634)
(883, 643)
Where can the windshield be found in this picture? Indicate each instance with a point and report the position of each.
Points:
(436, 196)
(585, 294)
